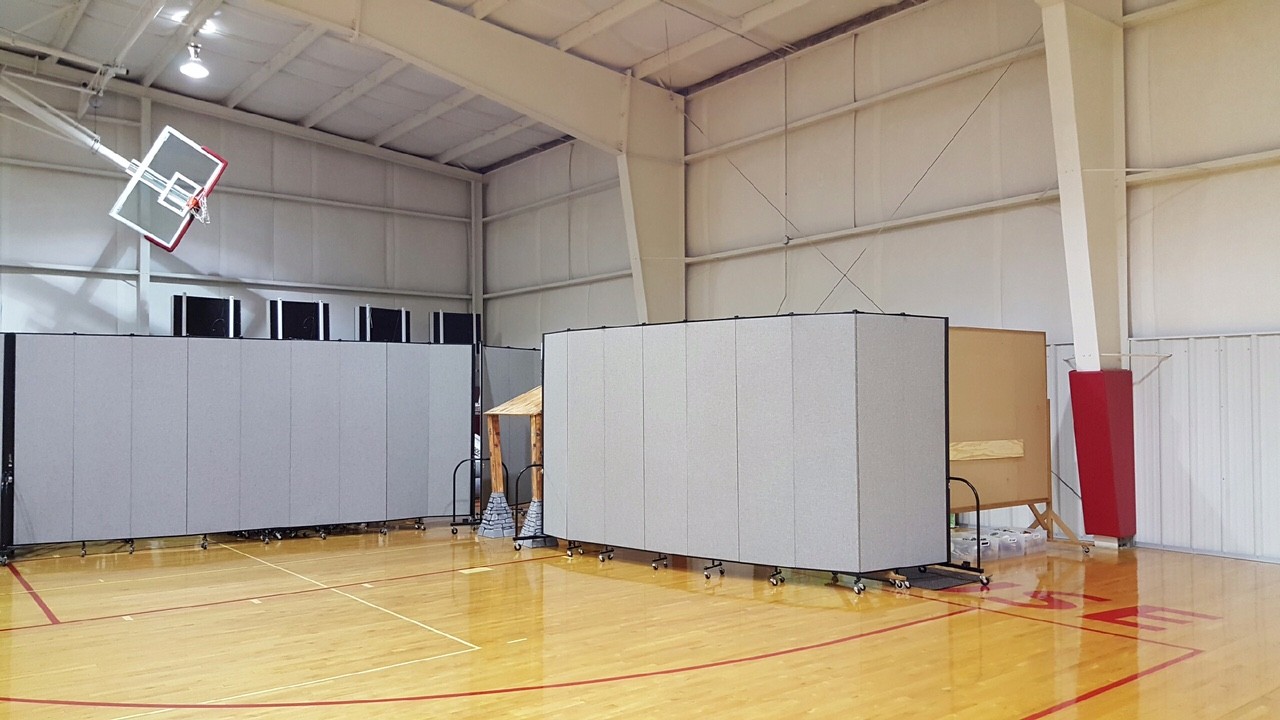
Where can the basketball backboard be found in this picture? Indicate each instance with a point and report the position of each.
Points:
(168, 189)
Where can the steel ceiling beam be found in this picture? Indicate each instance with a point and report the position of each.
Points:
(484, 8)
(221, 112)
(275, 65)
(455, 100)
(640, 124)
(600, 22)
(346, 97)
(735, 27)
(183, 35)
(486, 139)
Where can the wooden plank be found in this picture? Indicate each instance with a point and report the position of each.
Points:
(497, 477)
(535, 453)
(986, 449)
(529, 403)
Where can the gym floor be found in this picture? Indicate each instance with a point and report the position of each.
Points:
(422, 623)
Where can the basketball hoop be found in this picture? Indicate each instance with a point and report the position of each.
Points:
(198, 206)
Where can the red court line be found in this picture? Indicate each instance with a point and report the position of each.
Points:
(231, 601)
(492, 691)
(1110, 686)
(53, 619)
(1046, 621)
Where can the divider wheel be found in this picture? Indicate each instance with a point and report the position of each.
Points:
(706, 574)
(859, 587)
(773, 581)
(382, 531)
(453, 530)
(984, 580)
(517, 546)
(722, 571)
(204, 544)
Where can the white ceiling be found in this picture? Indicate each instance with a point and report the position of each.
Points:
(269, 64)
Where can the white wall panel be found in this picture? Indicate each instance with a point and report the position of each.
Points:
(1205, 427)
(1267, 477)
(555, 172)
(520, 320)
(1005, 148)
(1205, 443)
(1190, 98)
(733, 199)
(713, 441)
(941, 37)
(1202, 255)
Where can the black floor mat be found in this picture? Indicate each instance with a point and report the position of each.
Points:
(938, 578)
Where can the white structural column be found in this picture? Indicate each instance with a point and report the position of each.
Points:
(1084, 47)
(639, 122)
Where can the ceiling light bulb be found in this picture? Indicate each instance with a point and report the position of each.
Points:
(194, 68)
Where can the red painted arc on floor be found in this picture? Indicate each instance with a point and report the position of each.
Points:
(491, 691)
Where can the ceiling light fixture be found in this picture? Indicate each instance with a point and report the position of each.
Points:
(194, 68)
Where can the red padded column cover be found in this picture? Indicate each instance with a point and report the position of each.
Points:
(1102, 409)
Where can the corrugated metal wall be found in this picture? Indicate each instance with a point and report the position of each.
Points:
(1207, 443)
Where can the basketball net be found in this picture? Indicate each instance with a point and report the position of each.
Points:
(198, 206)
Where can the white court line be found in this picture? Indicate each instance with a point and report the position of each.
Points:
(308, 682)
(362, 601)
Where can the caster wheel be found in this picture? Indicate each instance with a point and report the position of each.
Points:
(452, 530)
(906, 584)
(654, 565)
(860, 587)
(835, 577)
(897, 584)
(4, 562)
(569, 554)
(204, 545)
(517, 546)
(82, 553)
(706, 575)
(984, 580)
(782, 580)
(773, 582)
(665, 564)
(382, 531)
(610, 556)
(721, 572)
(1086, 549)
(324, 536)
(266, 541)
(581, 551)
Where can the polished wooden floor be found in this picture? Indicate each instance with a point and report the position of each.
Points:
(425, 624)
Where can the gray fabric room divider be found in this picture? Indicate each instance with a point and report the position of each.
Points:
(813, 441)
(128, 437)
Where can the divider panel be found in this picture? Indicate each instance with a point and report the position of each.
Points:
(158, 494)
(313, 437)
(449, 426)
(265, 434)
(826, 459)
(555, 435)
(408, 424)
(586, 436)
(213, 435)
(102, 444)
(623, 477)
(44, 408)
(666, 460)
(766, 482)
(362, 432)
(712, 448)
(902, 442)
